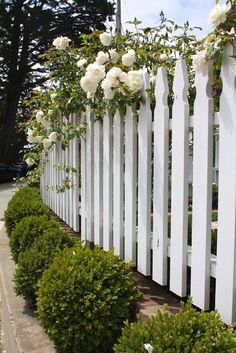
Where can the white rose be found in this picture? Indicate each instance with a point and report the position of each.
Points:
(134, 81)
(30, 136)
(96, 71)
(47, 143)
(102, 58)
(218, 14)
(217, 43)
(148, 347)
(61, 43)
(30, 161)
(81, 62)
(88, 84)
(37, 89)
(106, 84)
(200, 64)
(129, 58)
(163, 57)
(105, 38)
(31, 139)
(109, 94)
(53, 96)
(115, 76)
(114, 55)
(34, 139)
(44, 122)
(30, 132)
(53, 136)
(39, 115)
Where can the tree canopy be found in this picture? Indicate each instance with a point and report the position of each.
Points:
(27, 27)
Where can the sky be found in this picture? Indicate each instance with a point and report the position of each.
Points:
(147, 11)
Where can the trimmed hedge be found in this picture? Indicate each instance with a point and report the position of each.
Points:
(27, 231)
(25, 202)
(83, 299)
(189, 331)
(33, 262)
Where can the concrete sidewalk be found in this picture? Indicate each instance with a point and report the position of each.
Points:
(21, 330)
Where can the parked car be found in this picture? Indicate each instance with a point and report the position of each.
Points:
(22, 165)
(9, 172)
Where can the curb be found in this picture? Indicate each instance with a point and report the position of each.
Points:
(21, 330)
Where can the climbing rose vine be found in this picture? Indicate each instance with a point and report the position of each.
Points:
(106, 73)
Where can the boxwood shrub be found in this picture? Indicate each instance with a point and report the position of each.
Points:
(27, 231)
(84, 298)
(189, 331)
(33, 262)
(25, 202)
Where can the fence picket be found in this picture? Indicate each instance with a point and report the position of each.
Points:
(49, 178)
(202, 190)
(107, 182)
(56, 176)
(75, 180)
(89, 177)
(98, 184)
(160, 192)
(144, 184)
(70, 191)
(60, 182)
(130, 185)
(179, 180)
(63, 180)
(118, 185)
(67, 175)
(83, 188)
(226, 241)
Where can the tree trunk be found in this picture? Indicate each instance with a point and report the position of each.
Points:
(16, 77)
(8, 154)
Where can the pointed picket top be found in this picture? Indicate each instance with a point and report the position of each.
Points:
(162, 87)
(144, 182)
(146, 84)
(179, 181)
(160, 185)
(129, 111)
(226, 252)
(228, 71)
(181, 81)
(202, 189)
(203, 83)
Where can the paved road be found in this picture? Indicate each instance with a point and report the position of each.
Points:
(6, 193)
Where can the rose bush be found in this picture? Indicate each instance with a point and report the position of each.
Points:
(106, 73)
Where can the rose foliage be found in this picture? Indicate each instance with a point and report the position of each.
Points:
(105, 73)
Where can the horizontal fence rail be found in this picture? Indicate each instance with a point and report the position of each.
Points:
(143, 187)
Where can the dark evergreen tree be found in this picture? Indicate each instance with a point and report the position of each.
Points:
(27, 27)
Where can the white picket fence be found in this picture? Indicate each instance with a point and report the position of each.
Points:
(120, 197)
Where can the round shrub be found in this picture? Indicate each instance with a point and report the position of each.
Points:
(33, 262)
(189, 331)
(26, 190)
(27, 231)
(84, 298)
(25, 202)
